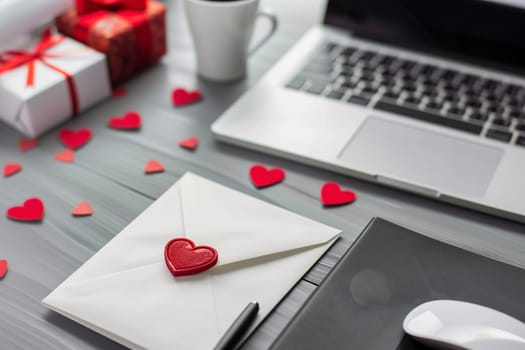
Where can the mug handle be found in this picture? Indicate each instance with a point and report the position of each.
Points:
(268, 14)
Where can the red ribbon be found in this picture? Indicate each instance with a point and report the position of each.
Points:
(13, 59)
(132, 11)
(89, 6)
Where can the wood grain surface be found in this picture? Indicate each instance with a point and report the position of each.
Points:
(108, 174)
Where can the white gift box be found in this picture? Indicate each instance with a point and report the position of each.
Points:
(48, 101)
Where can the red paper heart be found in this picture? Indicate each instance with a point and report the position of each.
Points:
(153, 166)
(331, 194)
(184, 258)
(182, 97)
(27, 144)
(3, 268)
(12, 168)
(75, 139)
(262, 177)
(119, 92)
(66, 156)
(130, 121)
(82, 209)
(189, 143)
(31, 210)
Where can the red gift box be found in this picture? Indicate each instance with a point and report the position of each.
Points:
(132, 33)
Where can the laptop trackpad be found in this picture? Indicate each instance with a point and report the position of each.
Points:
(441, 162)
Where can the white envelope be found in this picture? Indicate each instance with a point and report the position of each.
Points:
(126, 292)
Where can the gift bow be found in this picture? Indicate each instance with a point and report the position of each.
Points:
(13, 59)
(88, 6)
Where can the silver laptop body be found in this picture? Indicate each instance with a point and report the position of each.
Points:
(380, 145)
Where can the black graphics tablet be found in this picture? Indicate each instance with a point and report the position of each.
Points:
(387, 272)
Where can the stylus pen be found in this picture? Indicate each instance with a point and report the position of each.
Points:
(239, 327)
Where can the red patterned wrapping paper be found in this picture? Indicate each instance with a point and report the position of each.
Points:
(131, 42)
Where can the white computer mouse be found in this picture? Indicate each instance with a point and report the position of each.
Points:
(449, 324)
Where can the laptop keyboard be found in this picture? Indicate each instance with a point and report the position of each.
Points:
(447, 97)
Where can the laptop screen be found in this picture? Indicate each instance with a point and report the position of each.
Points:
(485, 31)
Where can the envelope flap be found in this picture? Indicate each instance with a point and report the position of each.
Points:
(241, 227)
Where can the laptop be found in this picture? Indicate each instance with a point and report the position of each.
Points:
(424, 96)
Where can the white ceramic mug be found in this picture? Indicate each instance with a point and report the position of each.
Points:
(221, 33)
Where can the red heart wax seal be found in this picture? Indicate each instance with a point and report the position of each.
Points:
(3, 268)
(331, 194)
(82, 209)
(75, 139)
(66, 156)
(130, 121)
(31, 210)
(27, 144)
(153, 166)
(11, 169)
(189, 143)
(262, 177)
(184, 258)
(181, 97)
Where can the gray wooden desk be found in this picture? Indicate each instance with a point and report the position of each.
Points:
(108, 174)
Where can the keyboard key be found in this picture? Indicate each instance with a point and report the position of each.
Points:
(413, 100)
(369, 90)
(479, 116)
(359, 100)
(497, 109)
(434, 105)
(408, 87)
(348, 51)
(515, 114)
(335, 94)
(473, 103)
(513, 90)
(393, 95)
(368, 55)
(349, 84)
(316, 88)
(520, 126)
(501, 122)
(499, 135)
(491, 97)
(296, 83)
(474, 128)
(407, 64)
(331, 46)
(451, 98)
(520, 141)
(456, 112)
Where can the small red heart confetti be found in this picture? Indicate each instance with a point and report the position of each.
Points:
(31, 210)
(75, 139)
(82, 209)
(153, 166)
(331, 194)
(189, 143)
(12, 168)
(27, 144)
(66, 156)
(119, 92)
(3, 268)
(262, 177)
(182, 97)
(130, 121)
(184, 258)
